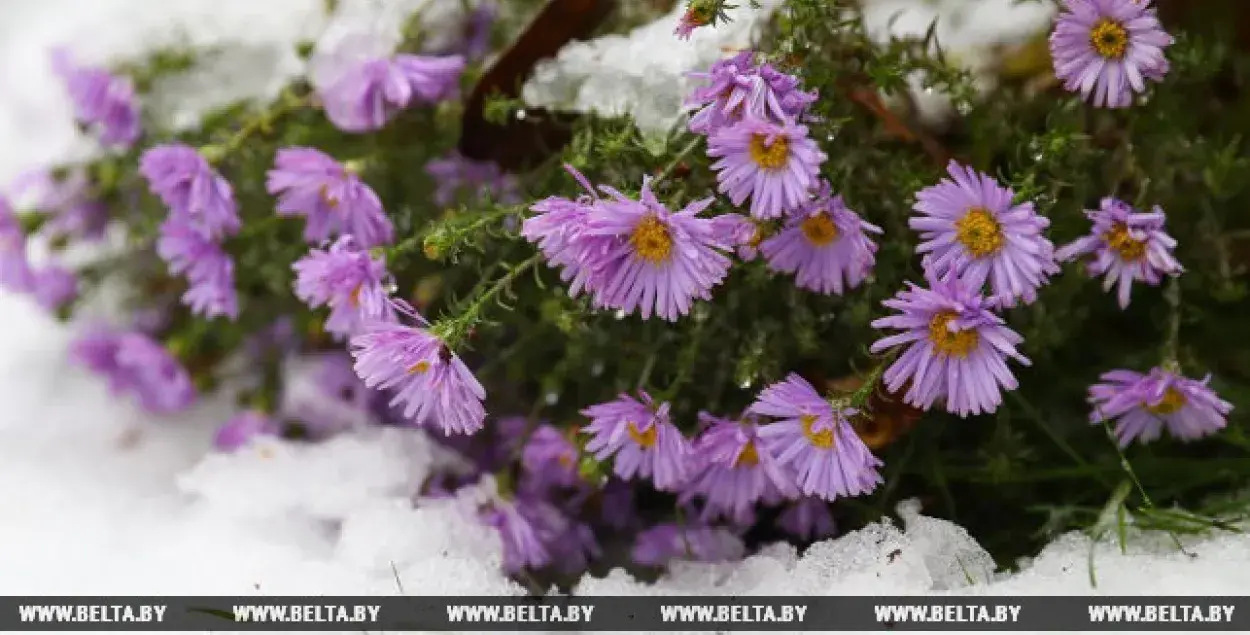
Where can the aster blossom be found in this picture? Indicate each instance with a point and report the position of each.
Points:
(550, 457)
(429, 381)
(1107, 49)
(815, 441)
(349, 281)
(1143, 405)
(661, 544)
(102, 101)
(362, 92)
(330, 196)
(54, 287)
(136, 364)
(735, 471)
(209, 271)
(971, 226)
(825, 244)
(240, 429)
(741, 231)
(640, 438)
(73, 212)
(648, 259)
(955, 347)
(807, 519)
(775, 165)
(737, 88)
(558, 229)
(1126, 246)
(192, 190)
(483, 179)
(15, 270)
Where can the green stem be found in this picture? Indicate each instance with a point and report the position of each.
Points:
(454, 331)
(681, 155)
(287, 103)
(1171, 345)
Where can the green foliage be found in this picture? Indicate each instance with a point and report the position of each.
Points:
(1037, 463)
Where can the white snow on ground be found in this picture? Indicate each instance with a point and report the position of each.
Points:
(102, 499)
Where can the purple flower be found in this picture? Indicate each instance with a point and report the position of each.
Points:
(736, 88)
(776, 165)
(364, 94)
(736, 471)
(428, 379)
(970, 226)
(524, 542)
(330, 196)
(661, 544)
(816, 442)
(136, 364)
(642, 438)
(454, 173)
(825, 243)
(1127, 245)
(1143, 405)
(192, 190)
(740, 231)
(1107, 49)
(550, 457)
(74, 213)
(208, 269)
(617, 509)
(807, 519)
(240, 429)
(102, 101)
(659, 261)
(15, 272)
(559, 230)
(956, 348)
(54, 287)
(349, 281)
(474, 42)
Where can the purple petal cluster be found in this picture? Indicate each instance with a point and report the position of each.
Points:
(349, 281)
(775, 165)
(330, 196)
(137, 365)
(194, 192)
(736, 469)
(825, 244)
(53, 287)
(208, 269)
(641, 439)
(971, 226)
(536, 534)
(364, 95)
(550, 458)
(240, 429)
(815, 441)
(1126, 246)
(1107, 49)
(807, 519)
(482, 179)
(955, 348)
(74, 213)
(743, 232)
(428, 380)
(1142, 406)
(102, 101)
(15, 270)
(661, 544)
(631, 255)
(737, 88)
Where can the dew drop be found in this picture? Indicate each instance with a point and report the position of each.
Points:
(389, 285)
(521, 115)
(551, 398)
(620, 314)
(597, 369)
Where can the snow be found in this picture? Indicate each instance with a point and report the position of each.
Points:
(103, 499)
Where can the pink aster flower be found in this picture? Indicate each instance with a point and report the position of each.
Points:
(102, 101)
(524, 540)
(430, 381)
(349, 281)
(815, 441)
(807, 519)
(362, 91)
(744, 233)
(559, 230)
(240, 429)
(550, 457)
(330, 196)
(54, 287)
(1143, 405)
(737, 88)
(661, 544)
(970, 226)
(775, 165)
(1127, 246)
(642, 438)
(654, 260)
(68, 200)
(1107, 49)
(191, 189)
(483, 180)
(735, 471)
(136, 364)
(825, 243)
(208, 269)
(956, 347)
(15, 271)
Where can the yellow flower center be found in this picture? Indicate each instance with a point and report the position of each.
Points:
(354, 298)
(565, 460)
(651, 240)
(749, 456)
(819, 229)
(770, 156)
(645, 439)
(979, 233)
(1109, 38)
(419, 367)
(956, 344)
(1119, 240)
(1172, 401)
(757, 236)
(330, 200)
(822, 439)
